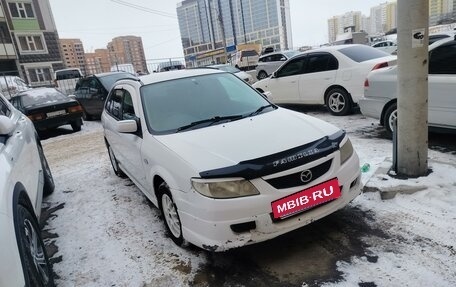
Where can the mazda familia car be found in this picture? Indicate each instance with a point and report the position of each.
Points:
(225, 166)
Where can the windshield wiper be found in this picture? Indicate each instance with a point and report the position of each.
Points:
(260, 109)
(210, 121)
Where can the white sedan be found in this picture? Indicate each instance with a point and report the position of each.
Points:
(24, 178)
(331, 76)
(225, 166)
(380, 99)
(235, 71)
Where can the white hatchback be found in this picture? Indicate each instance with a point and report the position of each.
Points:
(24, 178)
(331, 76)
(225, 166)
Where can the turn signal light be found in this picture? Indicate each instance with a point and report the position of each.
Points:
(366, 83)
(75, 109)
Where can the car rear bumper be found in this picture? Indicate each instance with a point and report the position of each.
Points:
(219, 225)
(58, 121)
(372, 107)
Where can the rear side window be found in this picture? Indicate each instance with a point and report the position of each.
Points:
(321, 62)
(67, 74)
(363, 53)
(442, 60)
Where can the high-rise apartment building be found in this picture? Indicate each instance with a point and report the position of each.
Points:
(98, 62)
(348, 22)
(8, 55)
(383, 17)
(32, 32)
(73, 54)
(206, 24)
(128, 50)
(440, 9)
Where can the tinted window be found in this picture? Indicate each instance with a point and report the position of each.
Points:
(442, 60)
(321, 62)
(293, 67)
(114, 104)
(128, 112)
(278, 57)
(176, 103)
(67, 74)
(435, 38)
(362, 53)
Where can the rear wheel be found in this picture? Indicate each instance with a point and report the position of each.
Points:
(338, 102)
(262, 75)
(115, 163)
(38, 271)
(76, 125)
(390, 118)
(170, 214)
(86, 116)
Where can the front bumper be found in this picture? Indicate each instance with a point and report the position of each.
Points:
(219, 225)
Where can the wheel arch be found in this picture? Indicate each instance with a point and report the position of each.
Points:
(385, 108)
(326, 94)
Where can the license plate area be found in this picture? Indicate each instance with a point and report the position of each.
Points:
(55, 114)
(306, 199)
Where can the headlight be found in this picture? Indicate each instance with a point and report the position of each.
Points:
(346, 151)
(224, 189)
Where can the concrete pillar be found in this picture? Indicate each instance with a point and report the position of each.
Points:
(413, 39)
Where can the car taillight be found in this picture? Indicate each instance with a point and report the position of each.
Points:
(36, 117)
(366, 83)
(380, 65)
(75, 109)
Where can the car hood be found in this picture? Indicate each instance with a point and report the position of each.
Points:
(228, 144)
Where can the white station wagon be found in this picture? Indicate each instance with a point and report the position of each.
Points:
(225, 166)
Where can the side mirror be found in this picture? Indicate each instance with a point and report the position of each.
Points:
(7, 126)
(126, 126)
(274, 75)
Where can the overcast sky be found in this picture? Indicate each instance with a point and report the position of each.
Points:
(96, 22)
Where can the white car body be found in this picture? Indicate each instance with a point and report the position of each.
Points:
(386, 46)
(21, 181)
(381, 89)
(235, 71)
(269, 63)
(256, 150)
(331, 74)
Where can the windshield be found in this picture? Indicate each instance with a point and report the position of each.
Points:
(363, 53)
(205, 100)
(109, 80)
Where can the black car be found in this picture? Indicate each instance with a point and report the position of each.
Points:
(48, 108)
(92, 91)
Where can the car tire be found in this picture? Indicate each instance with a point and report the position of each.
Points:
(76, 125)
(262, 75)
(49, 185)
(86, 116)
(37, 270)
(170, 215)
(338, 102)
(115, 164)
(388, 119)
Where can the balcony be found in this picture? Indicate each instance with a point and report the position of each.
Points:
(7, 51)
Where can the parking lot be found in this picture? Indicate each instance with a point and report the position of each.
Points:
(101, 230)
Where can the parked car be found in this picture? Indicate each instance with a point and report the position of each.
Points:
(442, 35)
(48, 108)
(92, 91)
(332, 76)
(66, 79)
(170, 66)
(11, 85)
(235, 71)
(380, 101)
(25, 177)
(225, 166)
(267, 64)
(387, 46)
(245, 60)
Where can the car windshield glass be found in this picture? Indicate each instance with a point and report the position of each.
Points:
(41, 97)
(228, 68)
(363, 53)
(109, 80)
(198, 102)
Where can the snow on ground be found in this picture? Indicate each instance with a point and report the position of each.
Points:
(106, 226)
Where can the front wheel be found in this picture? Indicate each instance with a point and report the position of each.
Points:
(390, 118)
(76, 125)
(338, 102)
(169, 212)
(262, 75)
(38, 271)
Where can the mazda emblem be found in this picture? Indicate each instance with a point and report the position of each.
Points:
(306, 176)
